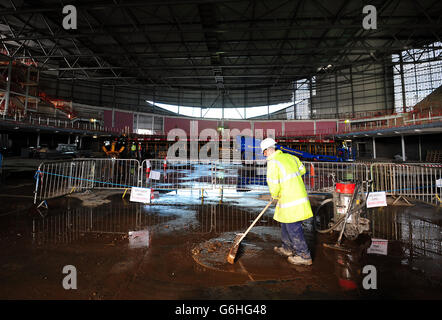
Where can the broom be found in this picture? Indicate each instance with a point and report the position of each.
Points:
(234, 249)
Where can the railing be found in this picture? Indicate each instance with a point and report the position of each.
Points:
(418, 182)
(58, 178)
(401, 120)
(54, 179)
(45, 121)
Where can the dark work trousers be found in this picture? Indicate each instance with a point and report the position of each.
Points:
(292, 236)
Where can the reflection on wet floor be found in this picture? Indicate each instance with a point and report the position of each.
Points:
(121, 217)
(171, 226)
(419, 237)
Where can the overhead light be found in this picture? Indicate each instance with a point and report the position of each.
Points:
(417, 130)
(379, 134)
(396, 132)
(16, 128)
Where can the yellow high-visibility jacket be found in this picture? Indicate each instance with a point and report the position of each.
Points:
(284, 178)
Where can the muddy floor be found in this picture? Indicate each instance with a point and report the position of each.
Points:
(176, 248)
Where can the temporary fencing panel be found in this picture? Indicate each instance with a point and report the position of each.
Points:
(418, 182)
(177, 174)
(59, 178)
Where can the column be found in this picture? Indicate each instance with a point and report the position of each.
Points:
(420, 149)
(374, 148)
(8, 87)
(28, 78)
(403, 148)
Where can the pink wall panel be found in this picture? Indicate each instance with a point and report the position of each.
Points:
(341, 127)
(207, 124)
(277, 126)
(299, 128)
(107, 117)
(176, 123)
(325, 127)
(240, 125)
(122, 120)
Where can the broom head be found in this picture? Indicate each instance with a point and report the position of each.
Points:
(234, 249)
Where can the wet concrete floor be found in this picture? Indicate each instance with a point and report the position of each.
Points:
(178, 246)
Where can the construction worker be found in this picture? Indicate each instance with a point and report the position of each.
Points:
(284, 178)
(133, 150)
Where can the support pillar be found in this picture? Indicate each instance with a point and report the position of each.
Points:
(8, 87)
(403, 148)
(268, 103)
(311, 97)
(404, 98)
(38, 139)
(374, 148)
(352, 94)
(420, 149)
(28, 79)
(336, 95)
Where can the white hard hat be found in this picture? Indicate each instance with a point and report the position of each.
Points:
(267, 143)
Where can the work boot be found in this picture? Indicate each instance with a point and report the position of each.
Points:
(282, 251)
(299, 260)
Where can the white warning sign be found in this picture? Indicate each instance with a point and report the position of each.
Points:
(140, 195)
(155, 175)
(378, 246)
(377, 199)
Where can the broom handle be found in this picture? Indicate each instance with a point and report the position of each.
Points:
(256, 220)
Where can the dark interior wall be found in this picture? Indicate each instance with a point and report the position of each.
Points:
(412, 148)
(388, 147)
(430, 142)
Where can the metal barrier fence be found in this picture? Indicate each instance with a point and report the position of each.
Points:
(418, 182)
(58, 178)
(177, 174)
(54, 179)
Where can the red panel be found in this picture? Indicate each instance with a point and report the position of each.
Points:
(123, 120)
(176, 123)
(325, 127)
(277, 126)
(240, 125)
(207, 124)
(299, 128)
(341, 127)
(107, 117)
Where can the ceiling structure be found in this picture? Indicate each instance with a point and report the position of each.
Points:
(240, 53)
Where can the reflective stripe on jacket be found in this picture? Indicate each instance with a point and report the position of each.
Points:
(284, 178)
